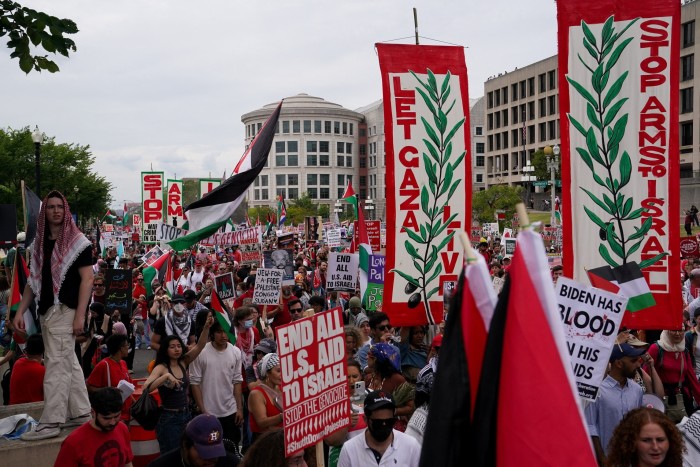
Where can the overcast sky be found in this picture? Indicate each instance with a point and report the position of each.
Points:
(165, 82)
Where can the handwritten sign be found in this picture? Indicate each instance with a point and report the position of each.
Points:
(375, 283)
(314, 382)
(268, 285)
(591, 318)
(342, 272)
(333, 237)
(374, 234)
(118, 290)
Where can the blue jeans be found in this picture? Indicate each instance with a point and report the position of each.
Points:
(169, 430)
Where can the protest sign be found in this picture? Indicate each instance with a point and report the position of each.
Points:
(286, 240)
(224, 286)
(268, 285)
(207, 184)
(282, 260)
(590, 318)
(150, 233)
(689, 247)
(375, 282)
(152, 255)
(136, 220)
(166, 233)
(333, 237)
(510, 246)
(313, 228)
(314, 382)
(153, 187)
(175, 213)
(476, 233)
(118, 291)
(237, 237)
(342, 272)
(374, 234)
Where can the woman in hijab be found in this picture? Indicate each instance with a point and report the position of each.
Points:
(384, 365)
(265, 400)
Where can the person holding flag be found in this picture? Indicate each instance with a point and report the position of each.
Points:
(364, 246)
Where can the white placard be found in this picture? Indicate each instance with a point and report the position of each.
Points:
(342, 272)
(268, 285)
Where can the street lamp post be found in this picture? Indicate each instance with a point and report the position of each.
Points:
(528, 178)
(552, 164)
(38, 138)
(338, 209)
(76, 190)
(369, 205)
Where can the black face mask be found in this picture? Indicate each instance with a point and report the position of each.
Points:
(381, 429)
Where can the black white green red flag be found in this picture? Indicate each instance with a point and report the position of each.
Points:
(618, 97)
(363, 247)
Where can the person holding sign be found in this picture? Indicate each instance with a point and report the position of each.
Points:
(265, 400)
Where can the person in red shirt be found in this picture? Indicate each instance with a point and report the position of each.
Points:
(109, 371)
(27, 377)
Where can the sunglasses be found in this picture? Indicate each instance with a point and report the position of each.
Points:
(383, 422)
(295, 310)
(384, 327)
(99, 285)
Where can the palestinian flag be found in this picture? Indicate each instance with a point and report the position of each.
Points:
(19, 281)
(365, 249)
(525, 338)
(208, 214)
(222, 316)
(125, 219)
(109, 216)
(162, 270)
(626, 280)
(281, 210)
(270, 224)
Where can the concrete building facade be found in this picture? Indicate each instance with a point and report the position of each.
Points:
(476, 121)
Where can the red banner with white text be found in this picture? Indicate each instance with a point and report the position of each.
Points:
(426, 123)
(618, 97)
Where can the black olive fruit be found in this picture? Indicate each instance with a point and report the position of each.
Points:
(410, 287)
(414, 300)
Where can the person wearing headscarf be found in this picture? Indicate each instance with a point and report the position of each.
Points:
(424, 386)
(384, 365)
(61, 283)
(265, 400)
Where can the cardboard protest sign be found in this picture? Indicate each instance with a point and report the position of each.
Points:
(268, 286)
(375, 282)
(224, 286)
(282, 260)
(236, 237)
(118, 291)
(591, 318)
(313, 228)
(342, 272)
(314, 381)
(286, 240)
(333, 237)
(166, 233)
(509, 246)
(152, 255)
(374, 234)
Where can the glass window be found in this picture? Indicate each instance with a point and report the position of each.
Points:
(363, 180)
(259, 127)
(325, 193)
(686, 100)
(280, 161)
(293, 146)
(336, 128)
(479, 178)
(279, 146)
(317, 126)
(543, 131)
(479, 148)
(313, 193)
(296, 126)
(326, 126)
(263, 180)
(341, 192)
(687, 67)
(688, 34)
(293, 160)
(292, 179)
(552, 78)
(542, 81)
(348, 148)
(311, 159)
(285, 126)
(352, 129)
(345, 128)
(479, 161)
(311, 146)
(552, 104)
(341, 161)
(340, 147)
(522, 89)
(542, 104)
(323, 146)
(490, 99)
(341, 180)
(504, 93)
(324, 160)
(257, 195)
(307, 126)
(348, 161)
(311, 179)
(514, 91)
(324, 179)
(277, 128)
(687, 133)
(263, 193)
(280, 180)
(479, 131)
(363, 162)
(363, 132)
(363, 193)
(293, 193)
(531, 86)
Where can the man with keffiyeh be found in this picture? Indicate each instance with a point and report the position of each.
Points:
(61, 280)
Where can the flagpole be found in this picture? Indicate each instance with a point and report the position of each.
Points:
(25, 220)
(468, 250)
(522, 214)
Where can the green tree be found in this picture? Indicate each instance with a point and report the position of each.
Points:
(298, 209)
(190, 192)
(539, 161)
(24, 26)
(64, 167)
(486, 202)
(260, 212)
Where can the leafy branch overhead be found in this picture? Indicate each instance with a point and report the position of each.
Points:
(442, 168)
(26, 28)
(606, 127)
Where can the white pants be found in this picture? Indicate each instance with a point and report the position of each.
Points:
(65, 393)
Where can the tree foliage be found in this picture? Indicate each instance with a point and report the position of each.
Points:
(496, 197)
(539, 161)
(64, 167)
(26, 28)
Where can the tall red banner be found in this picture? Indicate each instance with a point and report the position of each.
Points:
(152, 195)
(618, 95)
(426, 123)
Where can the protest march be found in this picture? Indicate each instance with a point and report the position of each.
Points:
(429, 323)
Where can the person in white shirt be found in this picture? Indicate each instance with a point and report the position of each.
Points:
(195, 276)
(215, 376)
(380, 444)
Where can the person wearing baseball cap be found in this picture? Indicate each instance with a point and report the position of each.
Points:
(380, 443)
(202, 445)
(617, 395)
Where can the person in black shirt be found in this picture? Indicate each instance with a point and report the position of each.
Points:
(61, 278)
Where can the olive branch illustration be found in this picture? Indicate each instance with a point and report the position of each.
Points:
(603, 137)
(424, 246)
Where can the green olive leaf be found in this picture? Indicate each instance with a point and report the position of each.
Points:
(408, 278)
(627, 207)
(592, 117)
(634, 248)
(608, 28)
(592, 144)
(588, 33)
(414, 236)
(433, 292)
(597, 220)
(435, 274)
(432, 82)
(642, 231)
(625, 169)
(605, 254)
(648, 262)
(636, 214)
(411, 249)
(427, 100)
(586, 158)
(445, 83)
(582, 91)
(615, 56)
(614, 90)
(449, 173)
(597, 201)
(431, 133)
(433, 151)
(424, 199)
(612, 112)
(597, 77)
(429, 169)
(454, 129)
(577, 125)
(423, 232)
(584, 63)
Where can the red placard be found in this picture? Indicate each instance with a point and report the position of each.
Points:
(374, 233)
(689, 247)
(315, 392)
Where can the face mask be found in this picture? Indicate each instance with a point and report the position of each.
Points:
(248, 323)
(179, 307)
(379, 430)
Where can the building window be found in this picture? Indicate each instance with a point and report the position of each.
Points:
(282, 192)
(325, 193)
(504, 116)
(363, 132)
(341, 180)
(340, 161)
(293, 146)
(327, 127)
(490, 99)
(293, 193)
(324, 179)
(688, 34)
(317, 126)
(687, 67)
(339, 148)
(479, 178)
(296, 126)
(348, 148)
(551, 129)
(489, 121)
(280, 160)
(352, 129)
(279, 147)
(280, 180)
(497, 97)
(307, 126)
(348, 161)
(336, 128)
(531, 110)
(363, 180)
(552, 104)
(323, 146)
(479, 148)
(479, 161)
(285, 127)
(293, 160)
(324, 160)
(542, 79)
(264, 193)
(514, 114)
(479, 131)
(345, 128)
(504, 93)
(514, 91)
(522, 89)
(531, 86)
(531, 134)
(543, 131)
(687, 133)
(292, 179)
(313, 193)
(311, 179)
(257, 195)
(497, 121)
(363, 162)
(311, 159)
(542, 104)
(363, 149)
(686, 100)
